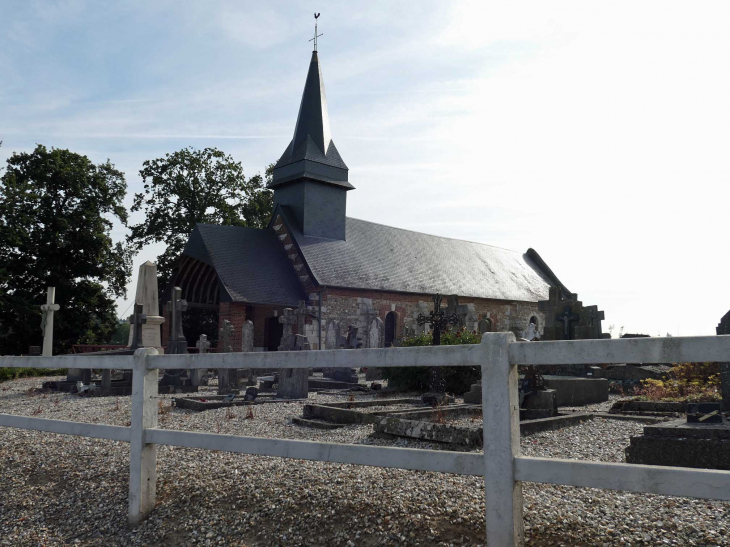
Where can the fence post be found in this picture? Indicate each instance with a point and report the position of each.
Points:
(142, 456)
(500, 407)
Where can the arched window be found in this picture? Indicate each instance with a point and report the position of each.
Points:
(391, 319)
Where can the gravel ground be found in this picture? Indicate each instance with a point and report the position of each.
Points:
(63, 490)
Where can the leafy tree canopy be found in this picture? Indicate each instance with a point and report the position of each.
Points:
(56, 212)
(195, 186)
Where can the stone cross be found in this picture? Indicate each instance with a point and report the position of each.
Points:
(47, 310)
(199, 376)
(438, 320)
(136, 320)
(567, 318)
(177, 306)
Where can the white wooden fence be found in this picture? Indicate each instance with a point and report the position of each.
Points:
(501, 464)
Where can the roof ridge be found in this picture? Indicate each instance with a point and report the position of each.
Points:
(434, 235)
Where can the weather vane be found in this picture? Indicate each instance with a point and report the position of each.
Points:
(316, 16)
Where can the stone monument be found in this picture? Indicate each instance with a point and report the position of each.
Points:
(293, 382)
(147, 296)
(568, 319)
(724, 328)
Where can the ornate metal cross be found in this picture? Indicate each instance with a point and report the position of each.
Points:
(316, 16)
(136, 320)
(176, 306)
(437, 319)
(567, 318)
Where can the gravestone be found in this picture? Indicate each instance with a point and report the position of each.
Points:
(199, 377)
(347, 374)
(247, 333)
(377, 340)
(332, 340)
(293, 382)
(147, 296)
(227, 377)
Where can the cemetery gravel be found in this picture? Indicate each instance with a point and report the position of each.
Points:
(63, 490)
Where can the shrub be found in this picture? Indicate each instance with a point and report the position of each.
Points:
(13, 373)
(691, 382)
(456, 379)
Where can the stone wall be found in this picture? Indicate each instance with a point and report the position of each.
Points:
(348, 306)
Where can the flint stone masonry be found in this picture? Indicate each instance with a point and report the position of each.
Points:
(347, 306)
(578, 391)
(679, 444)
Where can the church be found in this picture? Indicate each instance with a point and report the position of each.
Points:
(347, 271)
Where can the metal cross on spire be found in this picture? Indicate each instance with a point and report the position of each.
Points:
(316, 16)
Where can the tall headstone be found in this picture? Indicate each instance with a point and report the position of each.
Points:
(247, 333)
(177, 305)
(147, 296)
(377, 340)
(348, 374)
(227, 377)
(294, 382)
(199, 376)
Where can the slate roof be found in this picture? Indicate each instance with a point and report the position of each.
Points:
(378, 257)
(250, 263)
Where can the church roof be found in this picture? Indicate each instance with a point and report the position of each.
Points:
(250, 263)
(311, 152)
(378, 257)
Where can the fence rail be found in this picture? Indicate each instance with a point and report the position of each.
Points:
(501, 464)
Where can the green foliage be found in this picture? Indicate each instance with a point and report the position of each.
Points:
(13, 373)
(456, 379)
(193, 186)
(121, 334)
(56, 213)
(690, 382)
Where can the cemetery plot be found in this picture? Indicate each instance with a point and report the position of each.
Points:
(46, 482)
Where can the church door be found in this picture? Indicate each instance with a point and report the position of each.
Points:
(390, 329)
(273, 333)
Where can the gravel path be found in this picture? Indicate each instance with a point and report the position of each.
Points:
(63, 490)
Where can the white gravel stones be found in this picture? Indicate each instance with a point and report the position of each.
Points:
(63, 490)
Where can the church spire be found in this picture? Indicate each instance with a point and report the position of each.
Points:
(311, 153)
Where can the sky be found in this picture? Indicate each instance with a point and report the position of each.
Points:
(596, 133)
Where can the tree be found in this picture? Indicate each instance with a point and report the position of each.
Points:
(56, 212)
(193, 186)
